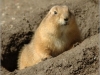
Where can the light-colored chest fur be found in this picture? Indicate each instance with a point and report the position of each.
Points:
(57, 43)
(55, 40)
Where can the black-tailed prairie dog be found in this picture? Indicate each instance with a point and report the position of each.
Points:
(56, 33)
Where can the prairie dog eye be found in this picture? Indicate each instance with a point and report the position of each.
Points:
(55, 12)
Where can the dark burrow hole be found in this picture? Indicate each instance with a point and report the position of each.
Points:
(11, 51)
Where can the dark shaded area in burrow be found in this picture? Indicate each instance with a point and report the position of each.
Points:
(12, 49)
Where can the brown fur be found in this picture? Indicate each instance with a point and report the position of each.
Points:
(57, 33)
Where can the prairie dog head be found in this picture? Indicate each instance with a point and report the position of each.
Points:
(59, 20)
(59, 15)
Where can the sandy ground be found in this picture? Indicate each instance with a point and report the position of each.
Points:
(20, 18)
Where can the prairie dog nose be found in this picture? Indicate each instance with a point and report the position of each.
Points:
(66, 19)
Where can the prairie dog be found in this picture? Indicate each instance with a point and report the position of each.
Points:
(56, 33)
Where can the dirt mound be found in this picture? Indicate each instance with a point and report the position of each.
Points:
(82, 60)
(20, 18)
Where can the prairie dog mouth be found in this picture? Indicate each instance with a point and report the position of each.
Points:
(66, 21)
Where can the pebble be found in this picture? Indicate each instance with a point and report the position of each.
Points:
(18, 7)
(3, 14)
(13, 18)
